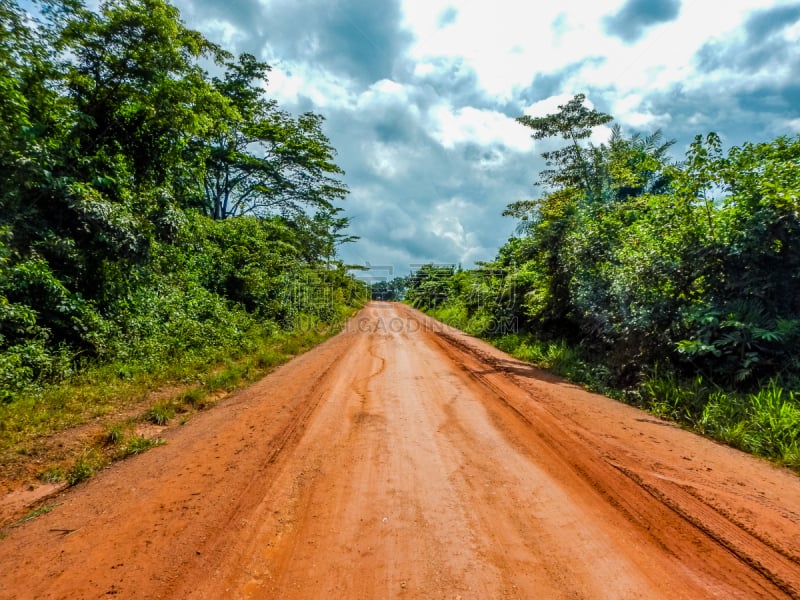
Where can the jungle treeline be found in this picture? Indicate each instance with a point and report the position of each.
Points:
(156, 206)
(672, 284)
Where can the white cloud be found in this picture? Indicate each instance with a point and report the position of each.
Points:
(630, 109)
(389, 161)
(288, 82)
(227, 34)
(792, 125)
(507, 43)
(384, 93)
(550, 105)
(483, 127)
(446, 223)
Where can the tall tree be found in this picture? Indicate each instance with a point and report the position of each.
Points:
(576, 175)
(571, 165)
(262, 160)
(140, 95)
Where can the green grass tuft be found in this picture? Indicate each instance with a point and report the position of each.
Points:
(38, 512)
(89, 463)
(227, 379)
(116, 434)
(193, 397)
(138, 444)
(160, 413)
(53, 474)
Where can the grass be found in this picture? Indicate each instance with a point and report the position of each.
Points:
(765, 423)
(230, 377)
(116, 433)
(670, 398)
(119, 442)
(122, 441)
(53, 474)
(138, 444)
(105, 391)
(195, 398)
(89, 462)
(559, 358)
(270, 357)
(160, 413)
(38, 512)
(480, 323)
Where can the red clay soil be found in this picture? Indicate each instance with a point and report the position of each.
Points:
(403, 459)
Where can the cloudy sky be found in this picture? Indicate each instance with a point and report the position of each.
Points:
(420, 96)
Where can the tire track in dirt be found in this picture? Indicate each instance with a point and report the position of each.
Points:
(765, 558)
(778, 565)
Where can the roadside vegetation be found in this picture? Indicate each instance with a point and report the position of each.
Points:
(672, 285)
(163, 222)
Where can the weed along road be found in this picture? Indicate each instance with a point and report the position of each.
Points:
(403, 459)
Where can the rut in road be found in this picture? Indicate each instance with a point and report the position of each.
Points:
(405, 459)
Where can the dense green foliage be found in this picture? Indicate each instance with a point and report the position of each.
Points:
(389, 290)
(149, 211)
(637, 273)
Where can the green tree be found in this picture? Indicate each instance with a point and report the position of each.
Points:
(638, 165)
(140, 95)
(576, 175)
(751, 315)
(572, 166)
(430, 286)
(262, 160)
(390, 290)
(109, 127)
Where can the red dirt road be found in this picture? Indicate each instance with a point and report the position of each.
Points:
(402, 459)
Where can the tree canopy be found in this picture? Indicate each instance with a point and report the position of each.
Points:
(674, 284)
(148, 206)
(645, 261)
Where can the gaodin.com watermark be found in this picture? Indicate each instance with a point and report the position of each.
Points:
(410, 325)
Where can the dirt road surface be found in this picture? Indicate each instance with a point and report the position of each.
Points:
(403, 459)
